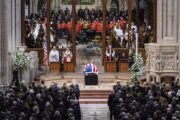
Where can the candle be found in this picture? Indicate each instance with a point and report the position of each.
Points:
(136, 43)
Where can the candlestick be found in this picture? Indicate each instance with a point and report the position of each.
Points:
(136, 43)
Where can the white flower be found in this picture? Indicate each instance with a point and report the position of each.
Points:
(20, 61)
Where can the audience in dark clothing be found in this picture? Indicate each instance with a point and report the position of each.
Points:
(148, 102)
(40, 102)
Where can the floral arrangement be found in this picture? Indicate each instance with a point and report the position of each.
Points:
(136, 68)
(20, 61)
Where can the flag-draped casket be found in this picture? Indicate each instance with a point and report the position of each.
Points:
(91, 74)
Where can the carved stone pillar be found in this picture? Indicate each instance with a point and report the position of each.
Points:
(147, 77)
(157, 79)
(162, 59)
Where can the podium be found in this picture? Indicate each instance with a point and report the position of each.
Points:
(123, 66)
(55, 67)
(69, 67)
(91, 79)
(110, 66)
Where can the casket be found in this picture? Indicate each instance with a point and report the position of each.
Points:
(91, 79)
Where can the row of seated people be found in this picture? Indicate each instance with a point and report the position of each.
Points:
(61, 26)
(67, 55)
(54, 55)
(144, 102)
(37, 102)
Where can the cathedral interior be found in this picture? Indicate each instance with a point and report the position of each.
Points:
(90, 59)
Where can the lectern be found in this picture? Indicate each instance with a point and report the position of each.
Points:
(55, 67)
(123, 66)
(110, 66)
(69, 67)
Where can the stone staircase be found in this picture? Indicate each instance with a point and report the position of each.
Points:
(94, 112)
(94, 96)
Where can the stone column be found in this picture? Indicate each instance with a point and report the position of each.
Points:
(159, 21)
(22, 22)
(175, 17)
(164, 18)
(169, 18)
(18, 24)
(6, 39)
(178, 21)
(10, 36)
(158, 78)
(147, 77)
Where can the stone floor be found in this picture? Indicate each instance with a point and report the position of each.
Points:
(94, 112)
(105, 80)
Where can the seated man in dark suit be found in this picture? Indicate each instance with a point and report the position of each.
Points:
(123, 56)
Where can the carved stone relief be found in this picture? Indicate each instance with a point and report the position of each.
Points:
(152, 60)
(168, 62)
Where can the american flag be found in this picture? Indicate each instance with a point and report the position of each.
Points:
(90, 68)
(45, 59)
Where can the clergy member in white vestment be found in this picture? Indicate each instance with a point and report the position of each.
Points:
(110, 53)
(54, 55)
(67, 55)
